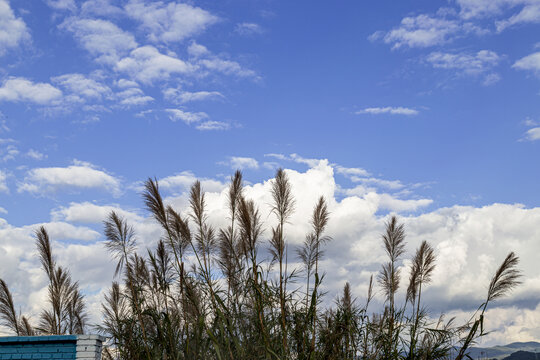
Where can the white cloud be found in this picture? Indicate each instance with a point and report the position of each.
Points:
(487, 8)
(533, 134)
(36, 155)
(227, 67)
(101, 38)
(169, 22)
(348, 172)
(133, 97)
(13, 30)
(211, 125)
(491, 79)
(205, 60)
(182, 97)
(62, 4)
(529, 14)
(100, 7)
(3, 183)
(89, 213)
(389, 110)
(239, 162)
(186, 116)
(247, 29)
(183, 181)
(147, 64)
(21, 89)
(529, 62)
(8, 150)
(196, 50)
(80, 175)
(83, 86)
(471, 64)
(420, 31)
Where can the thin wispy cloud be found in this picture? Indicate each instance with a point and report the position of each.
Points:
(247, 29)
(398, 110)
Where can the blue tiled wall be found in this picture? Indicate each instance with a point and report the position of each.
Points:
(38, 347)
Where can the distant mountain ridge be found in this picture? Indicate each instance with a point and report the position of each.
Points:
(514, 351)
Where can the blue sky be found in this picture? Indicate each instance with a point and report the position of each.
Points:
(428, 109)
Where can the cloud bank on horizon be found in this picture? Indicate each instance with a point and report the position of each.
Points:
(430, 113)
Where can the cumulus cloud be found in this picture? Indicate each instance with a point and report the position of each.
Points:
(133, 97)
(181, 97)
(147, 64)
(389, 110)
(90, 213)
(199, 119)
(424, 31)
(83, 86)
(36, 155)
(8, 150)
(183, 181)
(80, 175)
(169, 22)
(469, 63)
(101, 38)
(240, 162)
(3, 183)
(227, 67)
(212, 63)
(186, 116)
(530, 62)
(13, 30)
(533, 134)
(21, 89)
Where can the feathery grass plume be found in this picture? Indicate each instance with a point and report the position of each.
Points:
(26, 329)
(250, 230)
(121, 243)
(120, 240)
(506, 278)
(282, 207)
(45, 252)
(180, 231)
(76, 309)
(67, 313)
(171, 221)
(204, 237)
(115, 312)
(239, 311)
(319, 220)
(8, 315)
(229, 261)
(154, 202)
(422, 268)
(389, 278)
(394, 245)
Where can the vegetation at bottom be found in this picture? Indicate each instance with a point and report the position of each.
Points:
(209, 293)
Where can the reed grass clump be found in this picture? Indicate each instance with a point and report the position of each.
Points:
(230, 293)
